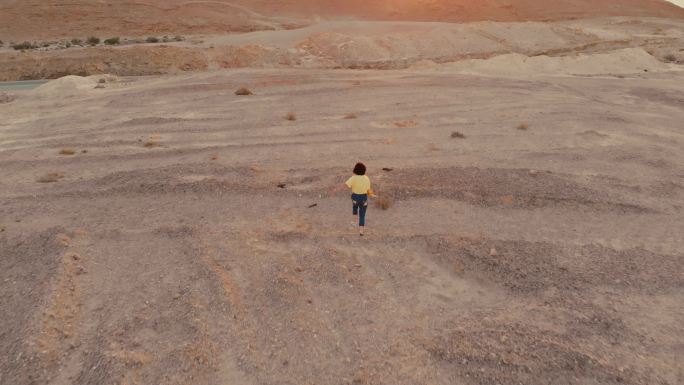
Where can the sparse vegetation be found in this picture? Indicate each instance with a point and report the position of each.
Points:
(458, 135)
(76, 41)
(112, 41)
(50, 177)
(178, 38)
(523, 126)
(23, 46)
(291, 116)
(93, 41)
(351, 115)
(405, 123)
(671, 58)
(67, 151)
(383, 203)
(152, 39)
(243, 91)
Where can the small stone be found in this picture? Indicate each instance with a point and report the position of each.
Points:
(493, 252)
(534, 172)
(177, 295)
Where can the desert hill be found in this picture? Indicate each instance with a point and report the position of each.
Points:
(36, 19)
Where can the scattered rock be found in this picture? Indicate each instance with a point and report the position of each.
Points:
(102, 81)
(534, 172)
(281, 185)
(177, 296)
(50, 178)
(313, 205)
(457, 134)
(5, 98)
(493, 252)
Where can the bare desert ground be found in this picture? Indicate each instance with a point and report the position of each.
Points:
(158, 228)
(145, 238)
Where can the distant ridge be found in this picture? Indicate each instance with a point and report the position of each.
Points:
(44, 19)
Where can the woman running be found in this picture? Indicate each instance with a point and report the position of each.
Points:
(360, 186)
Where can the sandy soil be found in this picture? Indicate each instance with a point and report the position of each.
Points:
(144, 238)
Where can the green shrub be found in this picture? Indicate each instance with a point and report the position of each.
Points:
(152, 39)
(93, 40)
(112, 41)
(670, 58)
(76, 41)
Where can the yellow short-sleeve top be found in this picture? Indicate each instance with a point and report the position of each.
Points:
(359, 184)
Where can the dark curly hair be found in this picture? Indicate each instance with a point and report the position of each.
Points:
(360, 169)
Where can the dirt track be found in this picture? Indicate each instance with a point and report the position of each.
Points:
(546, 255)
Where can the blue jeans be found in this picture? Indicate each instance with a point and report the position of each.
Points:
(360, 204)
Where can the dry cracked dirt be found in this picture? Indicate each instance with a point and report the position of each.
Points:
(144, 237)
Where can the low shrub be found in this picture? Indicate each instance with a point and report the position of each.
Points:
(383, 203)
(23, 46)
(112, 41)
(243, 91)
